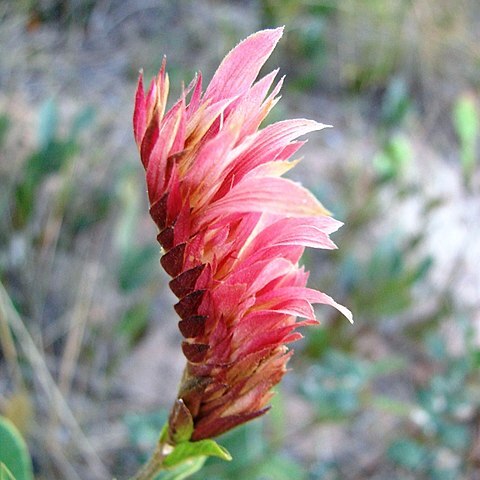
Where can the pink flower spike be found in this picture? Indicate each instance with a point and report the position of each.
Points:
(232, 231)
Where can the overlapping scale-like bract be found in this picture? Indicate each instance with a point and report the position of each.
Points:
(232, 231)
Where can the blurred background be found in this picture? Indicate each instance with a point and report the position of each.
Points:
(89, 349)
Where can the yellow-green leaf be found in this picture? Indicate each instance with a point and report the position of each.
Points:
(5, 473)
(203, 448)
(14, 453)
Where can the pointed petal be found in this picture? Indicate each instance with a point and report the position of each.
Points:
(208, 428)
(305, 231)
(273, 169)
(318, 297)
(196, 95)
(271, 143)
(169, 140)
(269, 194)
(203, 121)
(139, 113)
(240, 67)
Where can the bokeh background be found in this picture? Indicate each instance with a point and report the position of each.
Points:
(89, 349)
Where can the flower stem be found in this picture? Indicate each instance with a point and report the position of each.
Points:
(155, 464)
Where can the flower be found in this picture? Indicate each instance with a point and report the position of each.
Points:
(233, 231)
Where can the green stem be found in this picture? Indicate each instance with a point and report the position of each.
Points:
(166, 444)
(155, 465)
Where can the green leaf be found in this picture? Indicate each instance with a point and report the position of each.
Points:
(188, 450)
(143, 428)
(81, 121)
(128, 190)
(4, 125)
(390, 405)
(48, 122)
(466, 123)
(439, 473)
(335, 386)
(409, 454)
(184, 470)
(248, 444)
(279, 468)
(457, 437)
(133, 323)
(49, 159)
(13, 451)
(137, 267)
(475, 357)
(277, 417)
(318, 342)
(5, 473)
(396, 103)
(392, 161)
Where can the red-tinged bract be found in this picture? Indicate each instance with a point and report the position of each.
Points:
(232, 231)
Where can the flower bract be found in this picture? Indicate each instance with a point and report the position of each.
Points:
(233, 230)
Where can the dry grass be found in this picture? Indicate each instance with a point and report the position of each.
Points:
(64, 365)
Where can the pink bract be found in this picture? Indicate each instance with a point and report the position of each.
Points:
(232, 230)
